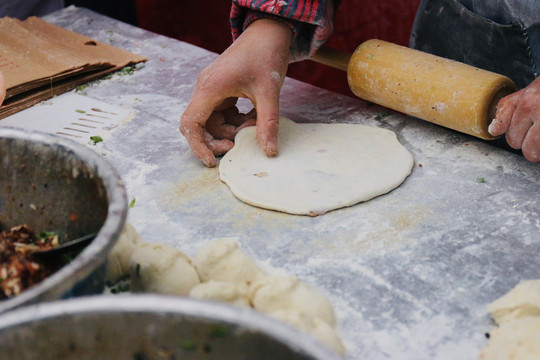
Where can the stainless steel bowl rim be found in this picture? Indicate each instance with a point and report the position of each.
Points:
(246, 318)
(85, 262)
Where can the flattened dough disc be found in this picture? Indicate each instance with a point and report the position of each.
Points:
(320, 167)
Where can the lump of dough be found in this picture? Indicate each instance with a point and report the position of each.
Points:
(232, 293)
(223, 260)
(514, 340)
(271, 294)
(523, 300)
(118, 259)
(313, 326)
(159, 268)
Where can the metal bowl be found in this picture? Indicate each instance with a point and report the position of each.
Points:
(55, 184)
(138, 327)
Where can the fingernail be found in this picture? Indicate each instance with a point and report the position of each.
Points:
(490, 127)
(270, 148)
(209, 162)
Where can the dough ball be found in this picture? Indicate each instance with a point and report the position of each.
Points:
(118, 259)
(313, 326)
(162, 269)
(233, 293)
(515, 340)
(271, 294)
(223, 260)
(523, 300)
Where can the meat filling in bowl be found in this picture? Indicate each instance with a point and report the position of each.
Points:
(19, 269)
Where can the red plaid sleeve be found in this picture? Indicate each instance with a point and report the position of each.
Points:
(310, 20)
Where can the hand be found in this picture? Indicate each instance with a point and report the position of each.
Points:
(2, 88)
(518, 116)
(253, 67)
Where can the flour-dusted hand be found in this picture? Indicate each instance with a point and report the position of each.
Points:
(518, 117)
(253, 67)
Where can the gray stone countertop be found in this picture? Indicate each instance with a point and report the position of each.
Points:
(410, 273)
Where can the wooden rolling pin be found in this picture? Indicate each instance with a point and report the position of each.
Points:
(445, 92)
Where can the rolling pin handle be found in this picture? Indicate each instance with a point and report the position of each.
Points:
(331, 57)
(442, 91)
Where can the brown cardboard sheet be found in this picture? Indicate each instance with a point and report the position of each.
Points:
(40, 60)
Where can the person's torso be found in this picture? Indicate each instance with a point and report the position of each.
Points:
(497, 35)
(21, 9)
(506, 11)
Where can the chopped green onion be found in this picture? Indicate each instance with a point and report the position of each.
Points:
(45, 234)
(81, 89)
(219, 331)
(96, 139)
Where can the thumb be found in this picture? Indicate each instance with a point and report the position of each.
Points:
(503, 116)
(268, 123)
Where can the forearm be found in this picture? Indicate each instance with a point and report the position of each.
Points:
(311, 22)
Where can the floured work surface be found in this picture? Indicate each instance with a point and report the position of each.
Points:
(76, 117)
(319, 168)
(410, 273)
(40, 60)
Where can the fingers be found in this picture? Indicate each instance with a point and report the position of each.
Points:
(192, 127)
(206, 98)
(217, 146)
(236, 118)
(519, 126)
(531, 143)
(227, 123)
(212, 135)
(518, 117)
(218, 128)
(503, 117)
(251, 122)
(228, 103)
(525, 112)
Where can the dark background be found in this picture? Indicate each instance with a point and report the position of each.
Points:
(205, 23)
